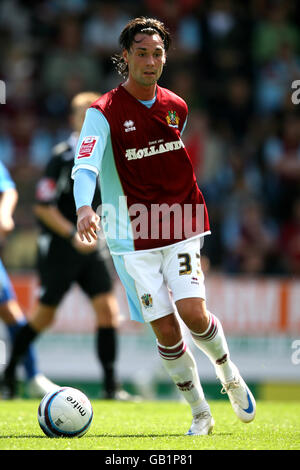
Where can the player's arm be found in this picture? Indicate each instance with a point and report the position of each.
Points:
(84, 189)
(48, 213)
(88, 158)
(51, 216)
(8, 202)
(45, 207)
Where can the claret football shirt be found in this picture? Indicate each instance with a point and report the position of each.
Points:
(150, 197)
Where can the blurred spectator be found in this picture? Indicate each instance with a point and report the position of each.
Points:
(290, 241)
(15, 18)
(220, 18)
(282, 158)
(239, 181)
(227, 37)
(185, 85)
(100, 37)
(182, 18)
(270, 31)
(40, 147)
(226, 33)
(206, 149)
(18, 71)
(68, 69)
(68, 6)
(21, 130)
(189, 35)
(101, 31)
(250, 241)
(170, 11)
(274, 80)
(236, 109)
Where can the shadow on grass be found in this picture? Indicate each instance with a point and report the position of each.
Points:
(119, 436)
(27, 436)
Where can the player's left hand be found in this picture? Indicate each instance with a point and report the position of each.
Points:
(84, 247)
(87, 223)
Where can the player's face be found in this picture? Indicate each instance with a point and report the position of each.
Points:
(145, 59)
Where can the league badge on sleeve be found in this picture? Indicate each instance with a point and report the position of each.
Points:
(87, 146)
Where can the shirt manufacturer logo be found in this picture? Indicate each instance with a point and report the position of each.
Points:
(129, 126)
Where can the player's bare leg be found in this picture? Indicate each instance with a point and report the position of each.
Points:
(180, 365)
(167, 330)
(107, 310)
(42, 317)
(208, 335)
(10, 312)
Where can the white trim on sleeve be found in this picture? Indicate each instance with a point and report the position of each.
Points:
(85, 167)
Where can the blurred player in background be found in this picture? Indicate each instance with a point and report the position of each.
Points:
(131, 137)
(10, 310)
(64, 259)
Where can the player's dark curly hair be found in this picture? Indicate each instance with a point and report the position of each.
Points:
(139, 25)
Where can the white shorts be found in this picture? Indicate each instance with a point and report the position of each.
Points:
(154, 280)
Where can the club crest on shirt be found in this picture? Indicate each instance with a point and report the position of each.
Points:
(147, 300)
(172, 119)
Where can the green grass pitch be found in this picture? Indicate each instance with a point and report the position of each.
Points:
(155, 426)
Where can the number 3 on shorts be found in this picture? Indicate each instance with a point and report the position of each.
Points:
(185, 264)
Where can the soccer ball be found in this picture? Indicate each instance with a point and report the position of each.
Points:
(65, 412)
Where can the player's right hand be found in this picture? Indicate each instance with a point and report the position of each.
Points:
(87, 223)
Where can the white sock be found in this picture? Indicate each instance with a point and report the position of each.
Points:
(181, 367)
(213, 343)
